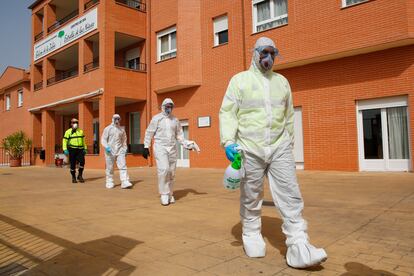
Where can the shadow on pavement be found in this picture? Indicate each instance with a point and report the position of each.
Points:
(354, 268)
(28, 249)
(89, 179)
(179, 194)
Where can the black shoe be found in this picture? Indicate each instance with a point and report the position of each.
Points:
(74, 180)
(80, 179)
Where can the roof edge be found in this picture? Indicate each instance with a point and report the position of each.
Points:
(34, 4)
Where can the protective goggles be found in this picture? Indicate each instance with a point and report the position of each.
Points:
(73, 122)
(264, 51)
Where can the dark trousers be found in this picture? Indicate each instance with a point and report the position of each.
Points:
(76, 156)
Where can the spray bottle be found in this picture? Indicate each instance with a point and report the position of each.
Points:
(233, 175)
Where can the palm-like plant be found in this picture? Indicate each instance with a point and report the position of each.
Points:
(16, 144)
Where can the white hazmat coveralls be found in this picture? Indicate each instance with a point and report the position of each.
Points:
(114, 137)
(166, 131)
(257, 114)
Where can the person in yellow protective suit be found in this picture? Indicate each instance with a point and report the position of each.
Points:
(166, 130)
(256, 115)
(74, 145)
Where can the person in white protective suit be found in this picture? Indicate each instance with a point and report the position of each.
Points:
(166, 130)
(114, 140)
(256, 116)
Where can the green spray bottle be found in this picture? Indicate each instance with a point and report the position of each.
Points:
(232, 175)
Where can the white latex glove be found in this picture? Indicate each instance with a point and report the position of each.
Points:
(191, 145)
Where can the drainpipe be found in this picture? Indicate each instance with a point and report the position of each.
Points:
(148, 59)
(244, 35)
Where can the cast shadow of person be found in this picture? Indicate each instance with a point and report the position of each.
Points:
(354, 268)
(272, 231)
(33, 251)
(179, 194)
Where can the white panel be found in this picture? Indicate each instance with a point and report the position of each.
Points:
(298, 130)
(382, 103)
(220, 24)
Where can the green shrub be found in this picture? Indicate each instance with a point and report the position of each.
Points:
(16, 144)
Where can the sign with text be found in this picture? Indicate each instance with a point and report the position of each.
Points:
(67, 34)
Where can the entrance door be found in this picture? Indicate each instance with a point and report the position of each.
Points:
(96, 136)
(298, 130)
(183, 154)
(383, 138)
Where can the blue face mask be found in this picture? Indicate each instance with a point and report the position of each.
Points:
(267, 62)
(267, 56)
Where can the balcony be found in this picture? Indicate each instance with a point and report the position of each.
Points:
(63, 65)
(38, 36)
(38, 86)
(138, 5)
(92, 65)
(128, 52)
(90, 4)
(73, 72)
(62, 21)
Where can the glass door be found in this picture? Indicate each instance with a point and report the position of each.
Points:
(383, 138)
(183, 158)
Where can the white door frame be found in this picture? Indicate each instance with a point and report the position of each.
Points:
(384, 164)
(183, 163)
(298, 146)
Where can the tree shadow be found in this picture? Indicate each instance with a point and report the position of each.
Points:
(354, 268)
(272, 231)
(179, 194)
(32, 251)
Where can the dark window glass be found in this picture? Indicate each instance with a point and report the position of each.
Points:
(372, 134)
(223, 37)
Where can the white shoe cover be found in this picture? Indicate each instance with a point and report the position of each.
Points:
(165, 200)
(126, 185)
(109, 185)
(254, 245)
(172, 199)
(302, 255)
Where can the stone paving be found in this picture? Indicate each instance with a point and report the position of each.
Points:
(48, 226)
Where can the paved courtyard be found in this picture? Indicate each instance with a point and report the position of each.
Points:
(48, 226)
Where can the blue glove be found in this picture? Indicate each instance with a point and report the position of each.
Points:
(231, 151)
(66, 152)
(108, 150)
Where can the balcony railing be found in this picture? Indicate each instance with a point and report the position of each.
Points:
(38, 36)
(62, 21)
(38, 85)
(135, 4)
(91, 4)
(92, 65)
(73, 72)
(139, 67)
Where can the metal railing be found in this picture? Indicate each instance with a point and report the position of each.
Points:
(135, 4)
(62, 21)
(38, 85)
(92, 65)
(139, 67)
(38, 36)
(5, 158)
(63, 75)
(91, 4)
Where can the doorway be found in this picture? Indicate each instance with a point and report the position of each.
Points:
(298, 146)
(383, 134)
(183, 158)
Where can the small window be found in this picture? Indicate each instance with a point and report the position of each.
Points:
(8, 103)
(20, 97)
(132, 59)
(221, 30)
(346, 3)
(268, 14)
(167, 44)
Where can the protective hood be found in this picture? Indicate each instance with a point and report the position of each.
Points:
(262, 42)
(164, 103)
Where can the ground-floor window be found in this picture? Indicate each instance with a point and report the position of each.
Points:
(384, 134)
(134, 128)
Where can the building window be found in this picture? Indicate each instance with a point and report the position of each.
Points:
(8, 103)
(221, 30)
(132, 59)
(134, 128)
(167, 44)
(268, 14)
(20, 97)
(346, 3)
